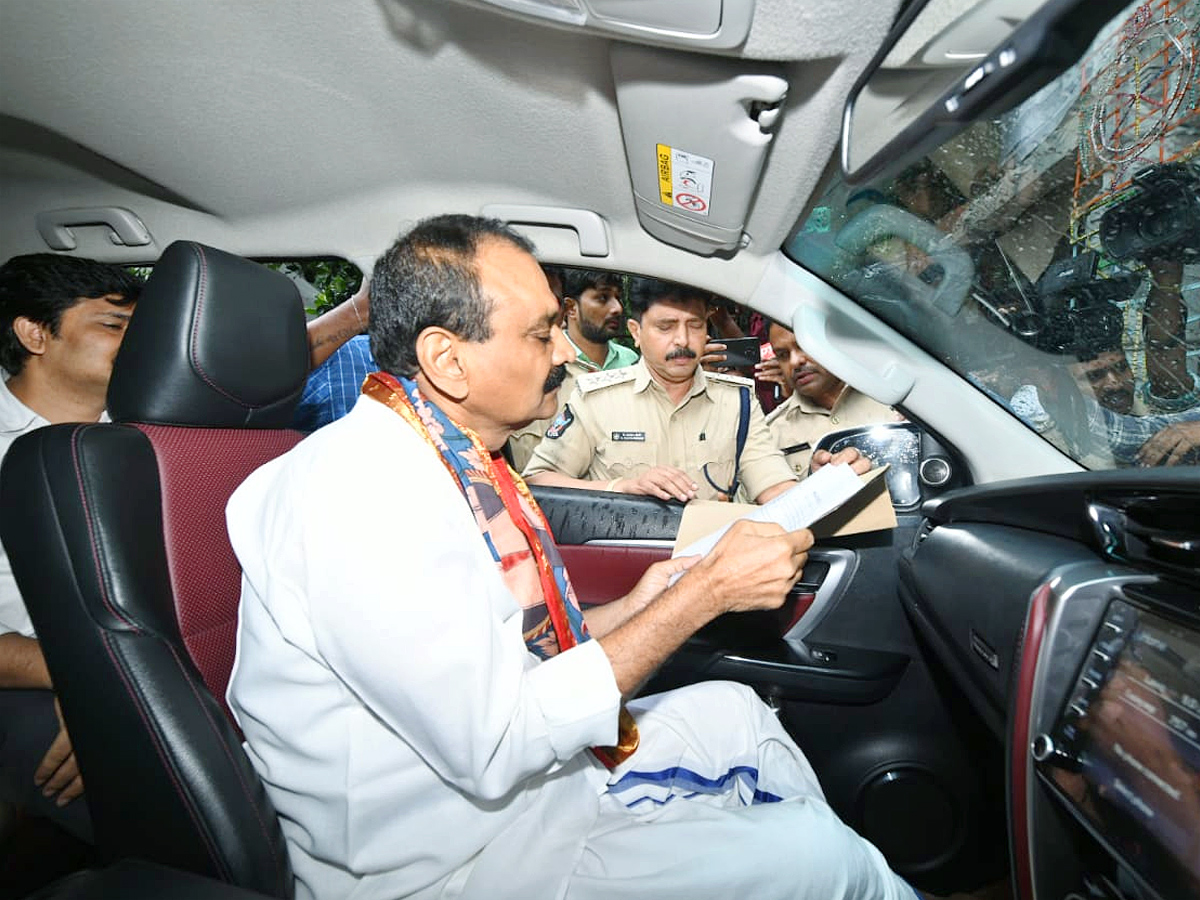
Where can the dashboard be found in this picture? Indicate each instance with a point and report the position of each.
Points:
(1077, 638)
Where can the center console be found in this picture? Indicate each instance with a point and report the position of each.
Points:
(1106, 758)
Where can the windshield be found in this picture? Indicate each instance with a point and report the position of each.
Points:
(1052, 256)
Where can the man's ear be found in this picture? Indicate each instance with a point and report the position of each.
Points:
(440, 361)
(635, 331)
(32, 335)
(569, 308)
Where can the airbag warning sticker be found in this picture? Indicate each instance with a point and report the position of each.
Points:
(684, 180)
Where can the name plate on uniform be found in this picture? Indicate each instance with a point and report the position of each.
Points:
(629, 436)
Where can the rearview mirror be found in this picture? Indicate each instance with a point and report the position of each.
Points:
(945, 66)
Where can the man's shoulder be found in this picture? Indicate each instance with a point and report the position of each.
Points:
(16, 419)
(326, 467)
(865, 403)
(352, 357)
(622, 356)
(781, 411)
(607, 378)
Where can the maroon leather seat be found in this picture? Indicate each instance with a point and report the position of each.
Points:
(116, 533)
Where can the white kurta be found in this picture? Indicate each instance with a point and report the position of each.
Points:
(413, 747)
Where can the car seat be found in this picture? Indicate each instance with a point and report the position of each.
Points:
(116, 534)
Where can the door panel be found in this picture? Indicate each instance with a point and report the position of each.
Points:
(603, 571)
(900, 755)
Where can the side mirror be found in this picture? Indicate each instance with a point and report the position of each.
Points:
(919, 467)
(947, 64)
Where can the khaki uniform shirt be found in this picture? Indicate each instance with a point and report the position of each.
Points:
(522, 443)
(621, 423)
(799, 423)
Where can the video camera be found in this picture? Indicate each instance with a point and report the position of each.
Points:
(1160, 218)
(1073, 283)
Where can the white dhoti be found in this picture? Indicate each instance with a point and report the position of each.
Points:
(718, 801)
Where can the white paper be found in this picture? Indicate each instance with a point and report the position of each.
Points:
(813, 498)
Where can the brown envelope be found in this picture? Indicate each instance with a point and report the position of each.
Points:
(868, 510)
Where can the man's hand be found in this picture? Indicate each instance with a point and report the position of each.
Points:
(772, 371)
(753, 566)
(663, 482)
(848, 455)
(58, 773)
(604, 618)
(655, 580)
(713, 357)
(1172, 446)
(331, 329)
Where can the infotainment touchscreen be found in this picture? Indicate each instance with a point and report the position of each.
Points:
(1128, 746)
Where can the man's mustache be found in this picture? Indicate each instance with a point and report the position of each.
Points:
(555, 379)
(682, 353)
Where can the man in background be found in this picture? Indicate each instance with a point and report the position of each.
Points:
(62, 320)
(340, 358)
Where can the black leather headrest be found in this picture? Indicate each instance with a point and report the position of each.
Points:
(216, 341)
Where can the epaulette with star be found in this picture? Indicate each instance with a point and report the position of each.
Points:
(594, 381)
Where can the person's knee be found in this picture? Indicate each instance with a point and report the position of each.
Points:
(826, 856)
(726, 695)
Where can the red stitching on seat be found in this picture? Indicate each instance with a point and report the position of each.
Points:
(164, 758)
(236, 768)
(201, 292)
(87, 517)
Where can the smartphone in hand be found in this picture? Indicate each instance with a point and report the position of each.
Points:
(741, 352)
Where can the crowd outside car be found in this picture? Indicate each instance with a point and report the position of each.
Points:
(61, 323)
(422, 695)
(663, 427)
(724, 324)
(1120, 424)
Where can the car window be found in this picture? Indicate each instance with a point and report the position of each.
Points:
(1051, 256)
(323, 282)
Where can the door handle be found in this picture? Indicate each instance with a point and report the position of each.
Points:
(126, 228)
(831, 573)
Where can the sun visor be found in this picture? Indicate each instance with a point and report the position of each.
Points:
(696, 133)
(699, 24)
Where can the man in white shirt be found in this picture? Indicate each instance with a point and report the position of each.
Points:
(428, 707)
(61, 321)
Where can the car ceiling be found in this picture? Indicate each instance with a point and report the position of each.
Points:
(310, 127)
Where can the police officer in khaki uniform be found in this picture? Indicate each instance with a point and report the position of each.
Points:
(663, 427)
(820, 402)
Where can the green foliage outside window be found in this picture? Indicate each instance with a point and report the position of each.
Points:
(335, 280)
